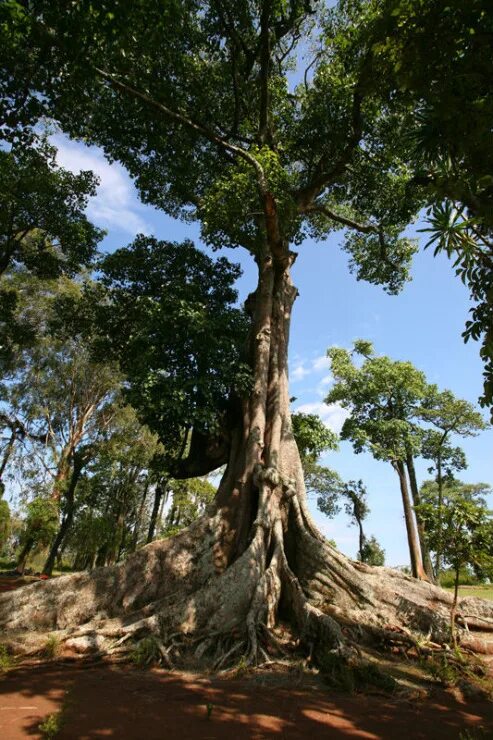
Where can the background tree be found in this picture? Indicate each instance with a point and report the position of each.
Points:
(112, 506)
(189, 500)
(167, 316)
(43, 225)
(384, 398)
(60, 402)
(465, 534)
(372, 552)
(40, 527)
(4, 522)
(357, 509)
(449, 416)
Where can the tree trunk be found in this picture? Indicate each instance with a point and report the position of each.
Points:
(438, 554)
(25, 552)
(138, 519)
(7, 454)
(412, 536)
(68, 516)
(219, 587)
(158, 494)
(361, 539)
(62, 472)
(425, 553)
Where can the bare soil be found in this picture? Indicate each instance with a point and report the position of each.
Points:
(115, 701)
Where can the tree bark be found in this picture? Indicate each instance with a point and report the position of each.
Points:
(138, 518)
(24, 554)
(68, 517)
(361, 539)
(7, 454)
(425, 553)
(412, 535)
(158, 495)
(438, 554)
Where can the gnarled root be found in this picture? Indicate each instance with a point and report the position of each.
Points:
(170, 591)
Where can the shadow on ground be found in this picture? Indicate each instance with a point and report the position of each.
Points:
(101, 701)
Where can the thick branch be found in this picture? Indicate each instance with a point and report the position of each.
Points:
(19, 429)
(265, 62)
(322, 177)
(367, 228)
(189, 123)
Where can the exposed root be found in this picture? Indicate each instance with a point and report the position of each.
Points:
(198, 616)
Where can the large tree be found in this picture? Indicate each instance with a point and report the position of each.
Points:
(200, 104)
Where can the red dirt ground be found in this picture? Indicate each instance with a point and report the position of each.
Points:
(114, 701)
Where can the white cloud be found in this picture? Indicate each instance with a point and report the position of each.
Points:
(332, 415)
(299, 371)
(303, 368)
(115, 205)
(323, 384)
(320, 363)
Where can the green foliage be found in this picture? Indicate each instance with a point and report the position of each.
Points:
(43, 225)
(466, 534)
(6, 661)
(206, 129)
(41, 522)
(189, 500)
(372, 553)
(237, 194)
(110, 514)
(146, 652)
(169, 319)
(51, 648)
(383, 396)
(51, 726)
(326, 484)
(466, 578)
(381, 261)
(312, 436)
(437, 57)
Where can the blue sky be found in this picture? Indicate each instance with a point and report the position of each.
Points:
(423, 324)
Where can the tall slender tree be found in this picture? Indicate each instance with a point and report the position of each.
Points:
(450, 416)
(384, 398)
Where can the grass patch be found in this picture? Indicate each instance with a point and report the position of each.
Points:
(51, 725)
(6, 660)
(479, 591)
(51, 649)
(146, 652)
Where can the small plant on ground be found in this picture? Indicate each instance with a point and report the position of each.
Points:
(242, 666)
(51, 649)
(5, 659)
(476, 734)
(51, 725)
(146, 652)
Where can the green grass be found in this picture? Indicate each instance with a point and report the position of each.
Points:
(6, 660)
(480, 591)
(52, 724)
